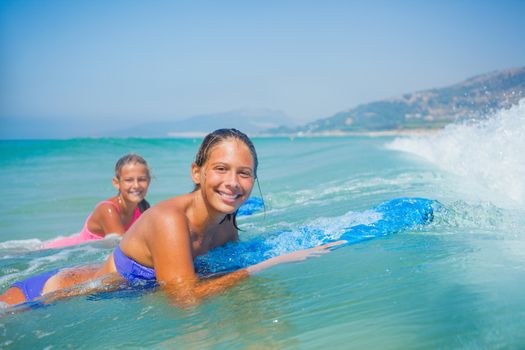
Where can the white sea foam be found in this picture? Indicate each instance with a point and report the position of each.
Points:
(21, 245)
(26, 245)
(38, 260)
(335, 227)
(34, 265)
(488, 152)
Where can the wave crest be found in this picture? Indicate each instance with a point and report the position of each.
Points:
(488, 151)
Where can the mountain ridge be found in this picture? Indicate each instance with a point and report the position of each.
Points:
(433, 108)
(252, 121)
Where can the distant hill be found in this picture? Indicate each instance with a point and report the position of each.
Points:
(425, 109)
(251, 121)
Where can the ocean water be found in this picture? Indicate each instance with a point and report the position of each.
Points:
(456, 283)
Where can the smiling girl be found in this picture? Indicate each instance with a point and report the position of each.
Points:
(118, 213)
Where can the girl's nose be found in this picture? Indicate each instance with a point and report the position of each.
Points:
(231, 180)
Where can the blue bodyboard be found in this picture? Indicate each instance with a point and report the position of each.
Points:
(387, 218)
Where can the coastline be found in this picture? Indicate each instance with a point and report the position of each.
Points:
(339, 133)
(333, 133)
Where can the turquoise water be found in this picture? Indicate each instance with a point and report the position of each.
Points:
(456, 283)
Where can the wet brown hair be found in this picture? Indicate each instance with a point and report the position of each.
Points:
(219, 136)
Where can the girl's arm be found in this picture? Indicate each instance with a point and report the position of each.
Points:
(173, 263)
(217, 285)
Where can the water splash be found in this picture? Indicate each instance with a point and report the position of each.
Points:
(20, 246)
(488, 152)
(388, 218)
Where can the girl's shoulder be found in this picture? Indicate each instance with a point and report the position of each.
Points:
(175, 205)
(108, 203)
(172, 211)
(106, 207)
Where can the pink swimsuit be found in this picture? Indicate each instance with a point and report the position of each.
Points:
(85, 235)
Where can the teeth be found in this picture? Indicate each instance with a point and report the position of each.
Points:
(229, 196)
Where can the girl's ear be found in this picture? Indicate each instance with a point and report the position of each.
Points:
(116, 184)
(195, 174)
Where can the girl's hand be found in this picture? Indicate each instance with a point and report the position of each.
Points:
(294, 256)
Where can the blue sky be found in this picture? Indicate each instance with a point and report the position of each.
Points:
(112, 64)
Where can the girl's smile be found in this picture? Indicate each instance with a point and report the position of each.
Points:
(227, 177)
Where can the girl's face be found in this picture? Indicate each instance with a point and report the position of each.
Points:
(133, 182)
(226, 179)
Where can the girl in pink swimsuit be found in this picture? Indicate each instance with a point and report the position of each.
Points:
(117, 214)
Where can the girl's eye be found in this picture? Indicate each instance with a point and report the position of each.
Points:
(220, 169)
(246, 174)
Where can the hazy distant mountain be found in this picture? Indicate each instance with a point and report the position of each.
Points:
(426, 109)
(251, 121)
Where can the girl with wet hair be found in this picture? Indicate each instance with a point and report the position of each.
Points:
(163, 244)
(118, 213)
(217, 137)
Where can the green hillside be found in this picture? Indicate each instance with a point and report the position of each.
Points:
(433, 108)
